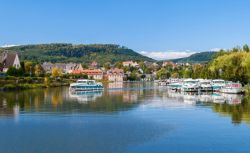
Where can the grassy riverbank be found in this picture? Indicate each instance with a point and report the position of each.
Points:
(246, 89)
(22, 83)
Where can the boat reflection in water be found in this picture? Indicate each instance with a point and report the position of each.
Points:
(115, 98)
(220, 98)
(86, 96)
(232, 98)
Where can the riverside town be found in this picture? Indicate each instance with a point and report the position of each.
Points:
(24, 73)
(95, 76)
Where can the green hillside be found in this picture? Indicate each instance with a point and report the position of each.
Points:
(101, 53)
(201, 57)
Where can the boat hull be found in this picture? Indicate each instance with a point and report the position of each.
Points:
(190, 89)
(85, 88)
(206, 89)
(231, 90)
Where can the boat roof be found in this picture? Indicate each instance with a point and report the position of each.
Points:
(205, 80)
(218, 80)
(190, 80)
(85, 80)
(199, 79)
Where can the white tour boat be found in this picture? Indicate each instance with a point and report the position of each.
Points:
(85, 85)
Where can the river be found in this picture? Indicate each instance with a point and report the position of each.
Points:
(124, 118)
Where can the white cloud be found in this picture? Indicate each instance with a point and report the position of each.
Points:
(160, 55)
(7, 45)
(215, 49)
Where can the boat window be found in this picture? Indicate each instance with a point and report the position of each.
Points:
(218, 82)
(90, 82)
(206, 83)
(192, 82)
(81, 81)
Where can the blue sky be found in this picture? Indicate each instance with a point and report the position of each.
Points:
(143, 25)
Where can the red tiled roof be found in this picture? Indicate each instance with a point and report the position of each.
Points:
(88, 72)
(115, 71)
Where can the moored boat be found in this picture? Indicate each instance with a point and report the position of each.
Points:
(218, 84)
(85, 85)
(205, 85)
(175, 84)
(190, 85)
(232, 88)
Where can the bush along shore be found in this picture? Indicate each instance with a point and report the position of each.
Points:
(20, 83)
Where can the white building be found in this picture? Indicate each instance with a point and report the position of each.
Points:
(130, 63)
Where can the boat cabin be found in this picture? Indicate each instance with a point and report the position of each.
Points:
(88, 82)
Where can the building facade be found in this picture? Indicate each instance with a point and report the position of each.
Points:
(96, 74)
(130, 63)
(115, 75)
(65, 67)
(168, 63)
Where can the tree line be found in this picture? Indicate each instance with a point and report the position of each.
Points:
(82, 53)
(232, 65)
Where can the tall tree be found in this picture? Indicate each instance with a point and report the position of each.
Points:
(28, 67)
(56, 72)
(246, 48)
(107, 65)
(39, 71)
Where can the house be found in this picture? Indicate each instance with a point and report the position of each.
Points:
(73, 66)
(147, 64)
(65, 67)
(156, 65)
(115, 75)
(47, 66)
(93, 65)
(61, 66)
(168, 63)
(9, 59)
(96, 74)
(130, 63)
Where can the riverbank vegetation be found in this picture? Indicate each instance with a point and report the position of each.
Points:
(31, 75)
(239, 113)
(232, 65)
(20, 83)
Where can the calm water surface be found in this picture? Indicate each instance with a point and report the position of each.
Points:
(126, 118)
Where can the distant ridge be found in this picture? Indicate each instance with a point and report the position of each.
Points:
(63, 52)
(202, 57)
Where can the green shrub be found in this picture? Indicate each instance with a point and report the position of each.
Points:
(9, 87)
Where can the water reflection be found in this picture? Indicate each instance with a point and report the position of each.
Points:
(194, 98)
(115, 85)
(85, 96)
(119, 97)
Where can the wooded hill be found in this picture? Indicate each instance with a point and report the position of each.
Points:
(202, 57)
(101, 53)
